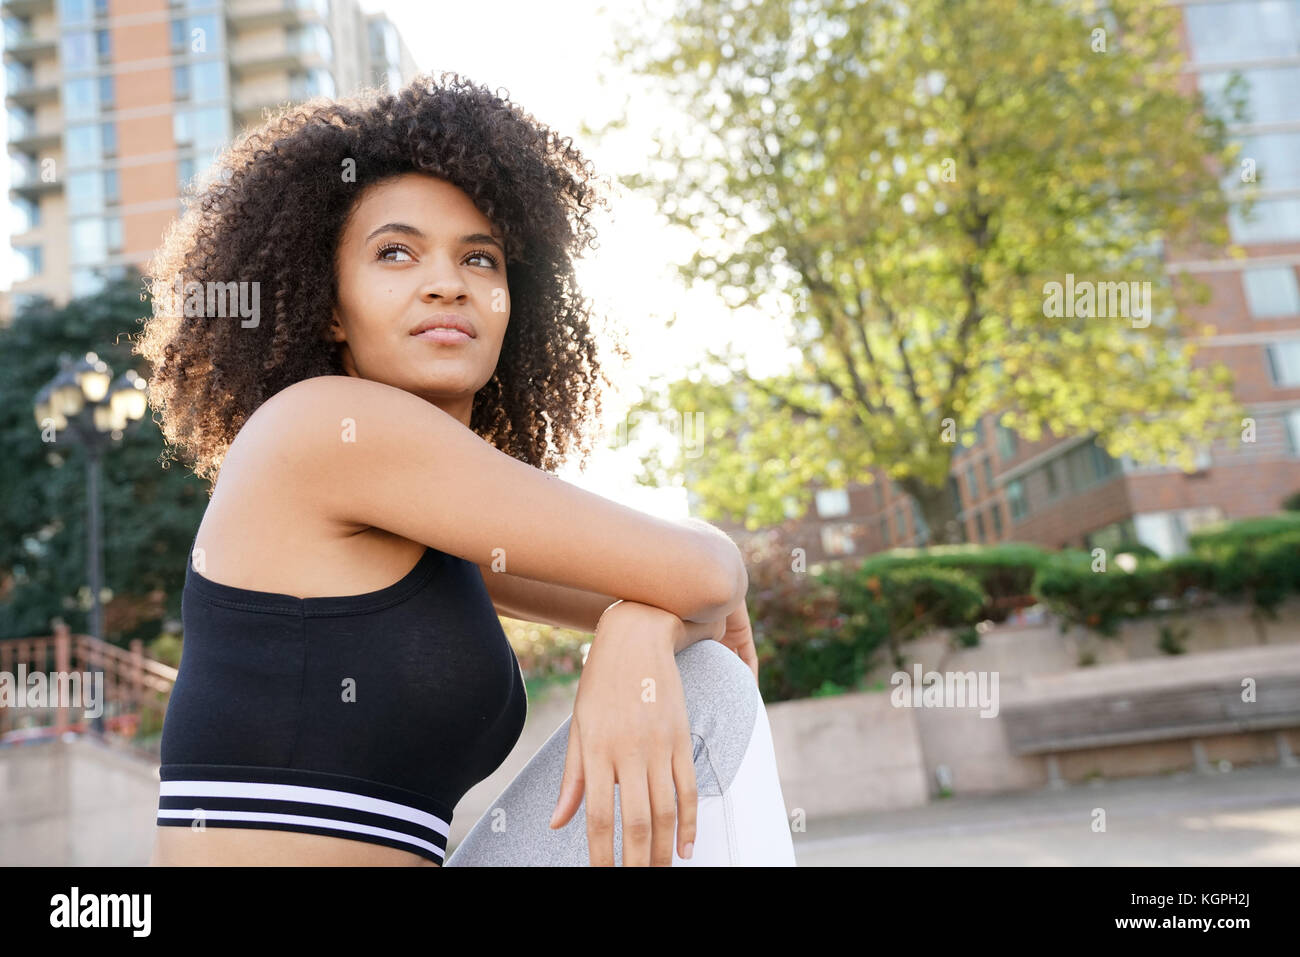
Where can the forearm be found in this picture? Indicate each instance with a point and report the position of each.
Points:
(566, 607)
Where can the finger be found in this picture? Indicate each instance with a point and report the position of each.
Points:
(572, 783)
(600, 809)
(687, 795)
(634, 802)
(663, 812)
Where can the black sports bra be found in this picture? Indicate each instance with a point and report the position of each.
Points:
(364, 717)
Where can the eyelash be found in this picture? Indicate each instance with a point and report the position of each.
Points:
(379, 254)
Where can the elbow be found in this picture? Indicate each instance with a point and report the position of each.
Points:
(729, 583)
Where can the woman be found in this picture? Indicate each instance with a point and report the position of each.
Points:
(383, 412)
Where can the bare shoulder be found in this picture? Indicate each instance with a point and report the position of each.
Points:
(362, 454)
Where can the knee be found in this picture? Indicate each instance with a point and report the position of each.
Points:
(722, 701)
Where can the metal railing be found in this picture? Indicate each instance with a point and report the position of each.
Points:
(65, 683)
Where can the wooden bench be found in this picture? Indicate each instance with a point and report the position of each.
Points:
(1158, 699)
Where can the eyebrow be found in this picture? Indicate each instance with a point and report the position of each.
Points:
(410, 230)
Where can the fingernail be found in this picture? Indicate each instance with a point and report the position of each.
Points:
(688, 850)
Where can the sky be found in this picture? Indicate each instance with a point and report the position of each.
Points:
(548, 58)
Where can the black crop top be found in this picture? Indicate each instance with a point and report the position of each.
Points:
(364, 717)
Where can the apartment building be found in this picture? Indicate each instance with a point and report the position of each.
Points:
(114, 105)
(1064, 490)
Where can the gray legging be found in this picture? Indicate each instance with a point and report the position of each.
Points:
(741, 819)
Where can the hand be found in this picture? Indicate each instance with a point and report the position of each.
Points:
(739, 637)
(630, 726)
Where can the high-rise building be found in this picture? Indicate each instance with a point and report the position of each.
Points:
(1064, 490)
(114, 105)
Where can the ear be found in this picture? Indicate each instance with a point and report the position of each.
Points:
(335, 332)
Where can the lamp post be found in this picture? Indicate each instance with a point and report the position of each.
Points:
(84, 405)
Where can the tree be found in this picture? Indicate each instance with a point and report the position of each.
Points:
(150, 512)
(912, 177)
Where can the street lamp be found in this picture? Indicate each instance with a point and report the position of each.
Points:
(85, 405)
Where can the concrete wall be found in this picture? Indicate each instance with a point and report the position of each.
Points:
(76, 802)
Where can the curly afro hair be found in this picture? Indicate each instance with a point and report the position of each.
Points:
(273, 212)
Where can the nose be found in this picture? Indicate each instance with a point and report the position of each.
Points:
(444, 281)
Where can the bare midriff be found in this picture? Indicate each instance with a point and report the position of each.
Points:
(254, 847)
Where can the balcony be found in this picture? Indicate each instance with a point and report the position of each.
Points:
(25, 8)
(25, 179)
(25, 47)
(257, 14)
(31, 139)
(30, 91)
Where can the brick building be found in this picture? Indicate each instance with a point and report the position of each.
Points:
(114, 105)
(1065, 490)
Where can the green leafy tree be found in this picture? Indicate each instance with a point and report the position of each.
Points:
(904, 180)
(150, 508)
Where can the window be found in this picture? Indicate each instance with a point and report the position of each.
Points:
(1053, 485)
(205, 128)
(318, 82)
(900, 524)
(919, 523)
(74, 11)
(1006, 442)
(181, 82)
(1277, 161)
(1292, 423)
(1271, 292)
(25, 214)
(1016, 499)
(108, 138)
(112, 187)
(1272, 220)
(988, 474)
(89, 241)
(27, 262)
(103, 49)
(996, 512)
(86, 282)
(101, 8)
(312, 39)
(185, 168)
(972, 489)
(979, 527)
(1284, 362)
(838, 539)
(178, 34)
(86, 191)
(955, 494)
(83, 145)
(21, 123)
(832, 502)
(880, 494)
(1223, 32)
(1270, 94)
(79, 98)
(209, 80)
(78, 50)
(1167, 532)
(113, 234)
(105, 92)
(884, 529)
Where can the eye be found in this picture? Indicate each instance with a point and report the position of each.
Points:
(486, 255)
(379, 254)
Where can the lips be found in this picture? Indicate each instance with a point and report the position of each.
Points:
(445, 321)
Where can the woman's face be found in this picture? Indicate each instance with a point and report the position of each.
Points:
(415, 248)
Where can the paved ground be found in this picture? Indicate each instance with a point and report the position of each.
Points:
(1249, 816)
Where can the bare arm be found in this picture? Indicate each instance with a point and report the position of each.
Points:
(371, 455)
